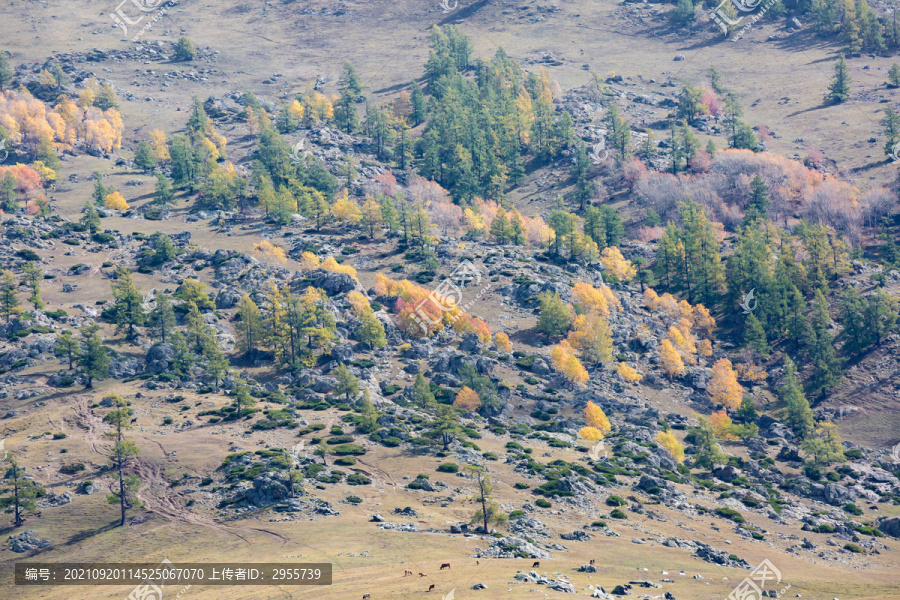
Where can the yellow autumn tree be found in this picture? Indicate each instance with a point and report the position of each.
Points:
(158, 145)
(628, 374)
(590, 299)
(616, 265)
(467, 399)
(359, 304)
(345, 209)
(567, 364)
(723, 386)
(297, 109)
(270, 251)
(684, 343)
(501, 342)
(670, 360)
(596, 418)
(721, 425)
(671, 445)
(703, 320)
(309, 261)
(115, 201)
(704, 348)
(651, 299)
(330, 264)
(592, 335)
(591, 434)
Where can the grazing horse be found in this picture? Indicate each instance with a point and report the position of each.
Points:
(422, 575)
(430, 587)
(592, 561)
(477, 562)
(366, 596)
(134, 420)
(443, 565)
(407, 572)
(537, 563)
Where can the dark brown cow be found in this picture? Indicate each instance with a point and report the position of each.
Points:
(430, 587)
(445, 565)
(536, 564)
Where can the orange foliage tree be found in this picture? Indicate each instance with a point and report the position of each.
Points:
(467, 399)
(721, 425)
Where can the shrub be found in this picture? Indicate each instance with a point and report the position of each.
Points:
(618, 514)
(516, 514)
(354, 499)
(59, 435)
(521, 486)
(358, 479)
(543, 503)
(348, 449)
(615, 501)
(448, 467)
(730, 513)
(852, 509)
(71, 469)
(854, 548)
(345, 461)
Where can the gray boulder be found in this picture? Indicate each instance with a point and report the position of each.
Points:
(160, 357)
(540, 367)
(838, 495)
(228, 298)
(267, 490)
(562, 586)
(26, 542)
(890, 526)
(335, 283)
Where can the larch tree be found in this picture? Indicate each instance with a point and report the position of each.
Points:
(799, 415)
(555, 316)
(671, 445)
(723, 387)
(9, 291)
(596, 418)
(490, 512)
(467, 400)
(129, 308)
(250, 326)
(93, 359)
(67, 348)
(33, 276)
(347, 383)
(23, 493)
(162, 318)
(122, 452)
(839, 90)
(670, 359)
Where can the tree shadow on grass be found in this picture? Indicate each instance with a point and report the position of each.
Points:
(89, 533)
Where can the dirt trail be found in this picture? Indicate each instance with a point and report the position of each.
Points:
(153, 494)
(89, 423)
